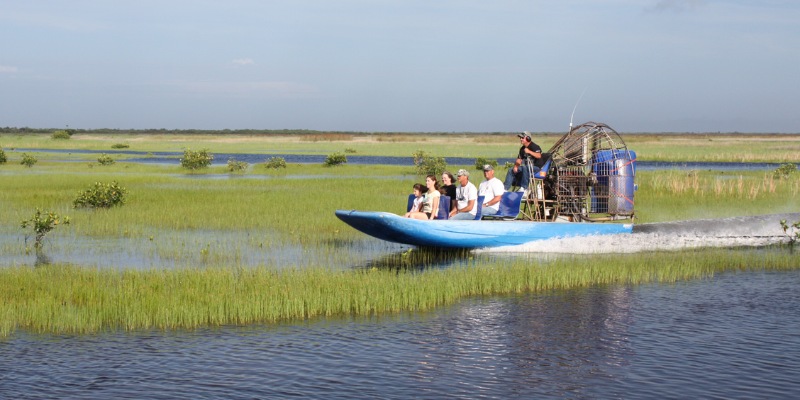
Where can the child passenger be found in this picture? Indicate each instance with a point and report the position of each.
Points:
(416, 207)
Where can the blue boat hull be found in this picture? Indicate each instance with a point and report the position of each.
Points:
(468, 234)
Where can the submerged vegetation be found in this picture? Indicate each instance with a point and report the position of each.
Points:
(206, 282)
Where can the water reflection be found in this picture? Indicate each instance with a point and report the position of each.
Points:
(539, 342)
(41, 258)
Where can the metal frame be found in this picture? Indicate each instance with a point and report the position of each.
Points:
(590, 178)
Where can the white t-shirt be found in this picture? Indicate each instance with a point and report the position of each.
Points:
(466, 193)
(491, 189)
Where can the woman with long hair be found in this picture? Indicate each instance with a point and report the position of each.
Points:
(430, 202)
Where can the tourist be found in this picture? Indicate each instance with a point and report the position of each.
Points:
(430, 201)
(416, 206)
(492, 191)
(449, 188)
(466, 197)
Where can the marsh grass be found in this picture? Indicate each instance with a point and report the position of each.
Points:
(67, 299)
(675, 195)
(715, 147)
(327, 137)
(168, 209)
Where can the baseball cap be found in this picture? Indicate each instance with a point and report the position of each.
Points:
(463, 172)
(526, 135)
(488, 167)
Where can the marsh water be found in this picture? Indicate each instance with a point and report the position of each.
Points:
(736, 336)
(166, 157)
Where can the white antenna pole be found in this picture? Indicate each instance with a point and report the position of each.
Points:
(576, 107)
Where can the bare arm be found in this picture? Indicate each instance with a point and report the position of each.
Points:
(493, 201)
(469, 206)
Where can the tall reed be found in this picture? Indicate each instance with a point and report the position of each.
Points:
(69, 299)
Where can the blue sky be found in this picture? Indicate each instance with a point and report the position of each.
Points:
(432, 65)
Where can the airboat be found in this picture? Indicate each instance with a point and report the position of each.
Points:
(585, 187)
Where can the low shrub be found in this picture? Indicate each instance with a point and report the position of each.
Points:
(327, 137)
(105, 159)
(275, 163)
(785, 171)
(480, 162)
(42, 223)
(237, 166)
(28, 160)
(196, 159)
(120, 146)
(60, 134)
(3, 158)
(335, 159)
(428, 165)
(792, 230)
(101, 195)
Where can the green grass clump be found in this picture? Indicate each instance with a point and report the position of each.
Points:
(67, 299)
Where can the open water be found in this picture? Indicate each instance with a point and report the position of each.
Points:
(165, 157)
(736, 336)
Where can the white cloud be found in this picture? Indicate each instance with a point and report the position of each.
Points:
(5, 69)
(243, 61)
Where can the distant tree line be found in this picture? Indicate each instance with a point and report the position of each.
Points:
(252, 132)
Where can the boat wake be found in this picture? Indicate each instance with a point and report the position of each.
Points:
(753, 231)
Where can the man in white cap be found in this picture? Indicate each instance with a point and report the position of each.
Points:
(518, 176)
(492, 191)
(466, 196)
